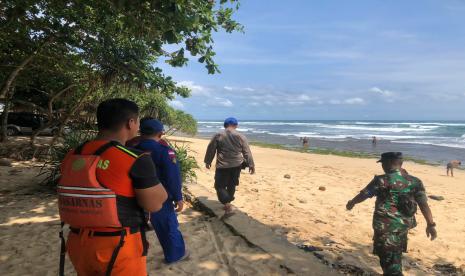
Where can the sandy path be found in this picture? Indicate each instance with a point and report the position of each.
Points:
(297, 209)
(29, 242)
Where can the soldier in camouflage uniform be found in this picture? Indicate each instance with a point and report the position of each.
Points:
(397, 195)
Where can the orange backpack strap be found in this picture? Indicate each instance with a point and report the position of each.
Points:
(78, 150)
(103, 148)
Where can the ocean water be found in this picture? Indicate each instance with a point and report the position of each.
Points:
(435, 141)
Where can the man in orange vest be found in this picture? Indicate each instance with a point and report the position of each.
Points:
(106, 207)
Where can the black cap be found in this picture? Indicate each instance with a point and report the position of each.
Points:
(390, 156)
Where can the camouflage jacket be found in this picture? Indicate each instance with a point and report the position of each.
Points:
(387, 188)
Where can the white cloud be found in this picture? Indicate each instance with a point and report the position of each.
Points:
(231, 88)
(176, 104)
(303, 97)
(294, 100)
(306, 98)
(354, 101)
(351, 101)
(219, 102)
(388, 96)
(195, 88)
(382, 92)
(295, 103)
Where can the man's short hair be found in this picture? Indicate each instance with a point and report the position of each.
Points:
(114, 113)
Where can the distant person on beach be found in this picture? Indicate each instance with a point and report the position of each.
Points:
(397, 195)
(102, 194)
(454, 164)
(232, 154)
(305, 142)
(374, 141)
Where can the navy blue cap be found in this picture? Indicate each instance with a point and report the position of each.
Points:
(231, 121)
(390, 156)
(151, 127)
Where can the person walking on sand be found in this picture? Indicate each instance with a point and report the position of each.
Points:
(165, 221)
(103, 191)
(397, 195)
(454, 164)
(232, 154)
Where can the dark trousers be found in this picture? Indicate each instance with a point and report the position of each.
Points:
(165, 223)
(226, 181)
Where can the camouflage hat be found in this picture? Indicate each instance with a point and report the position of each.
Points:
(390, 156)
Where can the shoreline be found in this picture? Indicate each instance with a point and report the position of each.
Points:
(327, 151)
(435, 142)
(342, 153)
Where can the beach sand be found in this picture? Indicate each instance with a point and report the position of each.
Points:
(29, 243)
(296, 208)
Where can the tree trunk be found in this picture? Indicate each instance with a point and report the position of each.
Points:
(9, 81)
(11, 78)
(68, 116)
(4, 122)
(50, 114)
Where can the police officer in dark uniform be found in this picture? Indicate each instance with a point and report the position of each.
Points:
(165, 221)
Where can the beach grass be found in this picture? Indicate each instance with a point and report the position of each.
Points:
(344, 153)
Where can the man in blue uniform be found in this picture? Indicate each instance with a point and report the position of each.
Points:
(165, 221)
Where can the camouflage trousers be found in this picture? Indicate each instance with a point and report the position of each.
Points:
(388, 246)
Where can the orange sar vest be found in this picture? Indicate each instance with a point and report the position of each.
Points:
(95, 189)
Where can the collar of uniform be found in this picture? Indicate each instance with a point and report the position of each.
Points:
(106, 141)
(147, 140)
(397, 171)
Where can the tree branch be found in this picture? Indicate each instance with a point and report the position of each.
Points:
(33, 105)
(11, 78)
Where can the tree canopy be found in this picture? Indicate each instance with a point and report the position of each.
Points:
(61, 56)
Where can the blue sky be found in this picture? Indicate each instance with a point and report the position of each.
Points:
(333, 59)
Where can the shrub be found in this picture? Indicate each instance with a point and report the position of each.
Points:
(187, 163)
